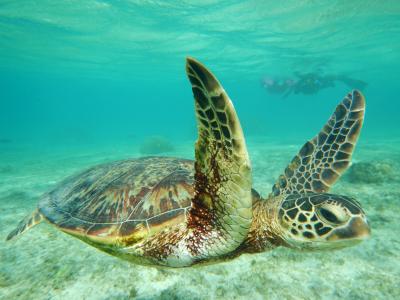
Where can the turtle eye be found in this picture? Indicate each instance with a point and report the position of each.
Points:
(329, 216)
(332, 215)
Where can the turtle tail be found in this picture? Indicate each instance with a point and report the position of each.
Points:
(27, 223)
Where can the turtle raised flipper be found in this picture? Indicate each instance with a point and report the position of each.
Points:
(322, 160)
(222, 201)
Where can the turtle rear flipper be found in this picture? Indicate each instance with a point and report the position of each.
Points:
(322, 160)
(221, 211)
(27, 223)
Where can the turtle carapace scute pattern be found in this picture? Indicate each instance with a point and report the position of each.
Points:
(177, 212)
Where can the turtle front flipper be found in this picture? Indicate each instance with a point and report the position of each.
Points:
(322, 160)
(221, 211)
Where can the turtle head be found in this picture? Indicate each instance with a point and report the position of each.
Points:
(321, 221)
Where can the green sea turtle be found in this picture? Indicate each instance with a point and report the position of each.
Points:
(176, 212)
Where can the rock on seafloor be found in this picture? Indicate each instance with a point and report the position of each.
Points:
(370, 172)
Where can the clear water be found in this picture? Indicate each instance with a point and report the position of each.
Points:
(83, 82)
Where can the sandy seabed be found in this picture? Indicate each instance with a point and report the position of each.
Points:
(47, 264)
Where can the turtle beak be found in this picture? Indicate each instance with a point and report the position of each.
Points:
(357, 229)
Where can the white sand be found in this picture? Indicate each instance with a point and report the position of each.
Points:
(47, 264)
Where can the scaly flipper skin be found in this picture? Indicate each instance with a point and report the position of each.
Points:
(321, 161)
(222, 206)
(221, 212)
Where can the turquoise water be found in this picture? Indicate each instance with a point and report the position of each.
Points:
(85, 82)
(101, 70)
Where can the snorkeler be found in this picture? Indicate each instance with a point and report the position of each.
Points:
(277, 86)
(309, 84)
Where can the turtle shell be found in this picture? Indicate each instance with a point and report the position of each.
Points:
(123, 201)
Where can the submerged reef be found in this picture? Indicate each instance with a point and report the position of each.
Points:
(156, 145)
(370, 172)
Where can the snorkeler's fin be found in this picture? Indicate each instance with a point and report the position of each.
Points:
(287, 93)
(27, 223)
(352, 83)
(323, 159)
